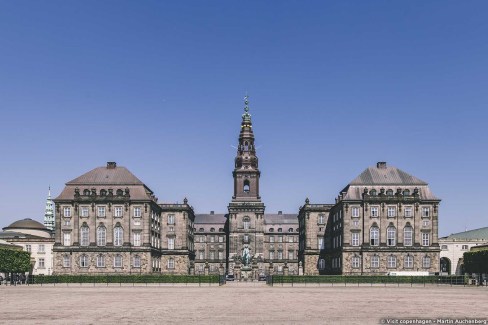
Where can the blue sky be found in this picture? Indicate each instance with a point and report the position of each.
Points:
(158, 86)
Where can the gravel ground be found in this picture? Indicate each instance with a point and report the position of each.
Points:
(237, 303)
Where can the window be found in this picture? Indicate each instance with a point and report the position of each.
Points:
(101, 212)
(246, 223)
(375, 262)
(118, 261)
(355, 212)
(425, 212)
(171, 263)
(320, 243)
(67, 211)
(67, 239)
(212, 239)
(290, 239)
(355, 223)
(425, 223)
(137, 212)
(355, 239)
(464, 247)
(100, 261)
(355, 262)
(444, 247)
(321, 264)
(84, 212)
(137, 222)
(118, 236)
(271, 239)
(392, 261)
(171, 219)
(407, 236)
(101, 236)
(41, 263)
(171, 243)
(406, 192)
(426, 262)
(137, 261)
(391, 236)
(221, 239)
(321, 219)
(221, 255)
(67, 222)
(246, 187)
(246, 238)
(271, 255)
(290, 255)
(408, 212)
(374, 212)
(280, 239)
(41, 248)
(66, 261)
(280, 230)
(118, 212)
(212, 255)
(271, 229)
(391, 212)
(425, 239)
(85, 236)
(280, 255)
(408, 262)
(374, 235)
(372, 192)
(83, 261)
(137, 239)
(201, 255)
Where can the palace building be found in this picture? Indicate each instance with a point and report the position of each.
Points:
(109, 221)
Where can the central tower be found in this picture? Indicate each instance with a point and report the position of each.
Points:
(246, 211)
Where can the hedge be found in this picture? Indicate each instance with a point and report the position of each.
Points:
(476, 262)
(147, 278)
(366, 279)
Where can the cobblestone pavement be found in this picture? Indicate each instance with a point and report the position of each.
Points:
(237, 303)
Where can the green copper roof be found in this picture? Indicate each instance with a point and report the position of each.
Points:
(481, 233)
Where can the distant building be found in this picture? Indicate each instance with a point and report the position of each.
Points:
(34, 238)
(49, 212)
(455, 245)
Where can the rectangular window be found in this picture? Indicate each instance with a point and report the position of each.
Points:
(290, 239)
(375, 262)
(67, 239)
(320, 243)
(137, 261)
(280, 255)
(137, 212)
(425, 223)
(290, 255)
(101, 212)
(171, 263)
(425, 239)
(321, 219)
(271, 255)
(464, 247)
(407, 236)
(67, 211)
(118, 261)
(137, 239)
(83, 261)
(221, 255)
(355, 212)
(84, 212)
(118, 212)
(246, 238)
(66, 261)
(392, 262)
(171, 243)
(426, 262)
(212, 255)
(201, 255)
(408, 212)
(280, 239)
(100, 261)
(355, 239)
(221, 239)
(171, 219)
(391, 212)
(271, 239)
(374, 212)
(425, 212)
(67, 222)
(355, 262)
(41, 249)
(408, 262)
(41, 263)
(355, 223)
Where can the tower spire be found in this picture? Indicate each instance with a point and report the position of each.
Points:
(49, 212)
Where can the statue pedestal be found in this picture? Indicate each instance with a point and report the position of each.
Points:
(237, 272)
(246, 273)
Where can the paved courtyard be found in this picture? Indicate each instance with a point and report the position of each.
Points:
(237, 303)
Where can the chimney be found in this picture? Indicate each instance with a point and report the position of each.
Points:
(280, 212)
(111, 165)
(212, 212)
(381, 165)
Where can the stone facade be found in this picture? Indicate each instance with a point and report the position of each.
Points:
(210, 243)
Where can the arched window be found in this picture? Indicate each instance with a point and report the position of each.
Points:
(137, 261)
(374, 236)
(103, 192)
(101, 236)
(290, 229)
(246, 186)
(221, 229)
(407, 236)
(120, 192)
(389, 192)
(406, 192)
(391, 236)
(86, 192)
(100, 260)
(118, 236)
(271, 229)
(212, 229)
(83, 261)
(85, 235)
(246, 223)
(280, 230)
(118, 261)
(372, 192)
(201, 230)
(392, 261)
(321, 264)
(408, 262)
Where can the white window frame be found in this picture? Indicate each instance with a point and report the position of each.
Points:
(137, 261)
(375, 212)
(356, 262)
(408, 212)
(408, 236)
(271, 255)
(101, 236)
(355, 212)
(391, 212)
(408, 262)
(66, 261)
(425, 212)
(118, 212)
(280, 255)
(118, 236)
(137, 212)
(171, 219)
(85, 212)
(84, 261)
(41, 248)
(171, 263)
(171, 243)
(320, 242)
(41, 263)
(67, 212)
(392, 262)
(426, 262)
(374, 237)
(391, 236)
(101, 211)
(375, 262)
(355, 238)
(321, 219)
(118, 261)
(100, 261)
(425, 239)
(84, 236)
(66, 239)
(321, 264)
(137, 238)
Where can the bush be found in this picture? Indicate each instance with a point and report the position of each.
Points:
(366, 279)
(476, 262)
(113, 278)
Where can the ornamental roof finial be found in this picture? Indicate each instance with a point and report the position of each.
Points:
(246, 103)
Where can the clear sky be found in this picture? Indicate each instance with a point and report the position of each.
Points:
(157, 86)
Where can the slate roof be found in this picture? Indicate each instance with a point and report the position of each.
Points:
(387, 175)
(107, 176)
(276, 218)
(481, 233)
(218, 218)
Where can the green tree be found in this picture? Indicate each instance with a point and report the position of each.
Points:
(476, 262)
(13, 261)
